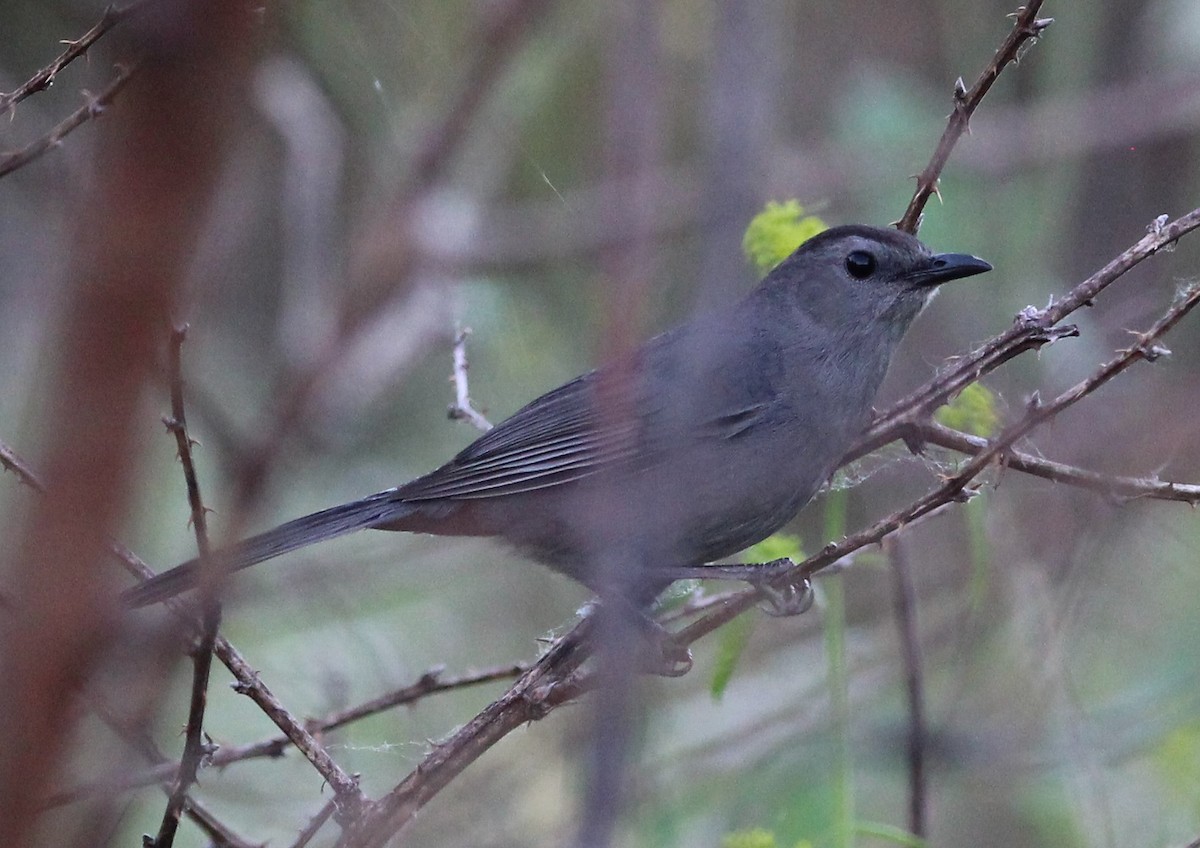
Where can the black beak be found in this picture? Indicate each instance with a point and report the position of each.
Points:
(945, 267)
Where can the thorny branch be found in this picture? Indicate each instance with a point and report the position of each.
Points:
(430, 683)
(1027, 26)
(248, 682)
(1112, 486)
(195, 749)
(93, 108)
(44, 78)
(138, 738)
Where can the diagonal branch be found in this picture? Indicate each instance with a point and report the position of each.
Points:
(93, 108)
(44, 78)
(1027, 26)
(345, 786)
(1110, 485)
(430, 683)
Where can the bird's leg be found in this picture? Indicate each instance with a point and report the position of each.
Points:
(658, 652)
(784, 595)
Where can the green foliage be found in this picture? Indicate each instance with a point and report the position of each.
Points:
(973, 411)
(676, 595)
(890, 833)
(776, 546)
(1177, 758)
(754, 838)
(736, 634)
(777, 231)
(734, 637)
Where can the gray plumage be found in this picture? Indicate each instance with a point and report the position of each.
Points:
(706, 440)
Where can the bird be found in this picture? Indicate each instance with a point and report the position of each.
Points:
(705, 440)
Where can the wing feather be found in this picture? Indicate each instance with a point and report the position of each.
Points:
(557, 438)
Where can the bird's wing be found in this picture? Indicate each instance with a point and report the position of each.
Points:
(610, 419)
(558, 438)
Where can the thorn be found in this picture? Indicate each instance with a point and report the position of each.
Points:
(431, 675)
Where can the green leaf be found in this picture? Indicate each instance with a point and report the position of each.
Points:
(973, 411)
(775, 546)
(777, 231)
(733, 640)
(754, 838)
(736, 634)
(891, 834)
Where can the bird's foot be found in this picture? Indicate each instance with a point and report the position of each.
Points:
(655, 649)
(782, 594)
(661, 654)
(791, 597)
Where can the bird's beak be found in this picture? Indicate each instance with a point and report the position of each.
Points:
(945, 267)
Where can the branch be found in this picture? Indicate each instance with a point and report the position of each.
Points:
(430, 683)
(904, 603)
(44, 78)
(248, 683)
(315, 824)
(1112, 486)
(1028, 26)
(94, 106)
(195, 750)
(14, 463)
(461, 409)
(553, 680)
(136, 737)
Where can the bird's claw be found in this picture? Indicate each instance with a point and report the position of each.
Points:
(790, 598)
(664, 656)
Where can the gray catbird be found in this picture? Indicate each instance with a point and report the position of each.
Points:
(707, 439)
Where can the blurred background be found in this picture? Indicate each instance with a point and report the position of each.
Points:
(565, 179)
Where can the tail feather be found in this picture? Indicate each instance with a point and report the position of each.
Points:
(318, 527)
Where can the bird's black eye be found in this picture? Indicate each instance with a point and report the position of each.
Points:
(860, 264)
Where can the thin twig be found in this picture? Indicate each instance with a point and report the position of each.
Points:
(195, 749)
(461, 409)
(904, 603)
(1027, 26)
(1112, 486)
(132, 732)
(555, 679)
(247, 681)
(44, 78)
(94, 106)
(430, 683)
(314, 824)
(14, 463)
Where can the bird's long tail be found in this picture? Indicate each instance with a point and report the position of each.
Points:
(326, 524)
